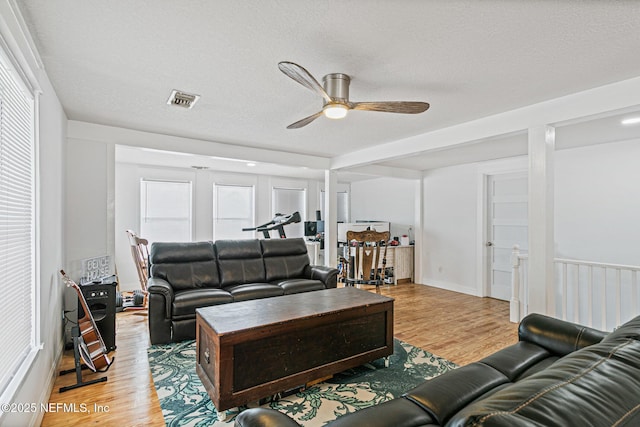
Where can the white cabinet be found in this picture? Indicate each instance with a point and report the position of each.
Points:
(401, 259)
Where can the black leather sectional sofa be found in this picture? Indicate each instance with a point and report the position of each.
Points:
(558, 374)
(186, 276)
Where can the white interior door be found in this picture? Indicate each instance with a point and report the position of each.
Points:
(507, 215)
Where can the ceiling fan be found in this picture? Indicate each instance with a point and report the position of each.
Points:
(335, 94)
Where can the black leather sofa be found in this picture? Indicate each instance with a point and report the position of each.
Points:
(558, 374)
(186, 276)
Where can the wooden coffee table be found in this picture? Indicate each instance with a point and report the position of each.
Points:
(254, 349)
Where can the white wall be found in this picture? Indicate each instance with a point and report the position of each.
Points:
(450, 235)
(596, 212)
(385, 199)
(38, 382)
(89, 201)
(597, 201)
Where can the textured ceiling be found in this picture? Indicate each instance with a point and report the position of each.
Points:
(115, 62)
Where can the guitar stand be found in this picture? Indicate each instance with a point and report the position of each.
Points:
(79, 366)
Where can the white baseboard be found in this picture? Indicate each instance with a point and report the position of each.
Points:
(45, 396)
(453, 287)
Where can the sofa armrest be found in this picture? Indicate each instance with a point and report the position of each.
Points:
(263, 417)
(327, 275)
(558, 336)
(157, 286)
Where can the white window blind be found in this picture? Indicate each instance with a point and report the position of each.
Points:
(287, 201)
(17, 228)
(165, 209)
(233, 210)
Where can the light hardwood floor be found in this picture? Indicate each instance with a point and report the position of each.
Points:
(455, 326)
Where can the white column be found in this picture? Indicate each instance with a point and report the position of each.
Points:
(514, 306)
(331, 218)
(111, 204)
(418, 231)
(541, 232)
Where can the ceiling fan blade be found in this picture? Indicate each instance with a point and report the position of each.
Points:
(302, 76)
(403, 107)
(305, 121)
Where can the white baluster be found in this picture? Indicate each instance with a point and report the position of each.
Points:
(590, 295)
(618, 297)
(604, 300)
(634, 291)
(576, 295)
(563, 285)
(607, 299)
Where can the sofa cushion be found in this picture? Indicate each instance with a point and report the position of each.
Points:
(630, 330)
(185, 302)
(248, 291)
(240, 261)
(396, 413)
(512, 361)
(447, 394)
(283, 247)
(179, 252)
(598, 385)
(188, 265)
(284, 258)
(295, 286)
(193, 275)
(540, 366)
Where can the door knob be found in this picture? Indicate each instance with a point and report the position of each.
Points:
(489, 244)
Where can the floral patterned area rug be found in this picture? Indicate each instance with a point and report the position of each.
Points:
(185, 402)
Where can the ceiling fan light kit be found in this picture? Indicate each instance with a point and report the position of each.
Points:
(335, 111)
(335, 94)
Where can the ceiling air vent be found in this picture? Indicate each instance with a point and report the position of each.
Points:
(182, 99)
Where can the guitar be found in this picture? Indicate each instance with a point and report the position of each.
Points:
(92, 349)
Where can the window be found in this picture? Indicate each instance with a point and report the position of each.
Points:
(287, 201)
(233, 210)
(165, 211)
(19, 332)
